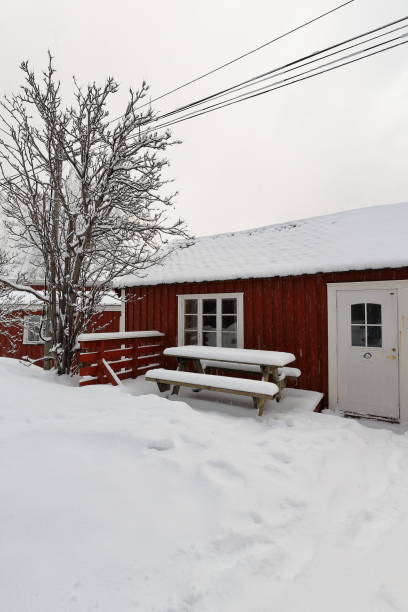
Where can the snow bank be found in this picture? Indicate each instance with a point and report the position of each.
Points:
(360, 239)
(118, 499)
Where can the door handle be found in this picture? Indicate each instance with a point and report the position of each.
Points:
(390, 356)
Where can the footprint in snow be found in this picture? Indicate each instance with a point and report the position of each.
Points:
(162, 444)
(223, 471)
(281, 457)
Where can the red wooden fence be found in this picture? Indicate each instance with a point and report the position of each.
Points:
(107, 357)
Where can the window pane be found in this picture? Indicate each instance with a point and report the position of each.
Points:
(358, 313)
(33, 328)
(209, 338)
(358, 335)
(229, 306)
(190, 306)
(191, 338)
(209, 306)
(229, 323)
(190, 321)
(229, 339)
(374, 335)
(373, 314)
(210, 322)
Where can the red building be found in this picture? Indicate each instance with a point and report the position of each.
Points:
(27, 342)
(333, 290)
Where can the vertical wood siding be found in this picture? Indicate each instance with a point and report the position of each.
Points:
(107, 321)
(280, 313)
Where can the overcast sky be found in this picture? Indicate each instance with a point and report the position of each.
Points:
(335, 142)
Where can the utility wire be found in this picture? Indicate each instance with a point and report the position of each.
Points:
(240, 57)
(315, 54)
(291, 82)
(280, 84)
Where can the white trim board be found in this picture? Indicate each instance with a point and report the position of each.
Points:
(401, 288)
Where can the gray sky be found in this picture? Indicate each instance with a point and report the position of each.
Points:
(336, 142)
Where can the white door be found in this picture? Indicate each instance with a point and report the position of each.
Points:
(367, 360)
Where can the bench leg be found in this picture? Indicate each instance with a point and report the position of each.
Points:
(261, 406)
(176, 390)
(163, 387)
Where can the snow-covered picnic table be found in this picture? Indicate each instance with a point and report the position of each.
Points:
(269, 362)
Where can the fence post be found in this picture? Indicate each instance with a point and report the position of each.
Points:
(135, 355)
(101, 369)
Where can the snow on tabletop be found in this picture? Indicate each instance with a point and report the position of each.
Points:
(273, 358)
(210, 380)
(117, 336)
(117, 499)
(371, 237)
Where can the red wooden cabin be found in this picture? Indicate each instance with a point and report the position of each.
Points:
(28, 343)
(333, 290)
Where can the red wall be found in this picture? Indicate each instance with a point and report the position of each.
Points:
(108, 319)
(283, 314)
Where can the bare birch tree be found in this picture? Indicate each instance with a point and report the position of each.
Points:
(82, 194)
(11, 307)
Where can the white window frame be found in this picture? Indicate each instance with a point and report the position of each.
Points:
(26, 339)
(208, 296)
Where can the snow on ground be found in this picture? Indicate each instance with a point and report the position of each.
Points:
(119, 499)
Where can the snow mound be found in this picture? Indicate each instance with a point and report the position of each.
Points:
(119, 499)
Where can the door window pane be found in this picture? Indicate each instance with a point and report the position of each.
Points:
(374, 314)
(191, 338)
(358, 335)
(209, 306)
(209, 338)
(229, 306)
(190, 306)
(374, 335)
(358, 313)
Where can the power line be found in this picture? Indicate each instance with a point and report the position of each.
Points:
(292, 81)
(240, 57)
(296, 78)
(290, 66)
(315, 55)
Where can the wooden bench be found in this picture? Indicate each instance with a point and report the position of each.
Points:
(284, 372)
(259, 390)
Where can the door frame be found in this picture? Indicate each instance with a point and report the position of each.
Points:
(401, 289)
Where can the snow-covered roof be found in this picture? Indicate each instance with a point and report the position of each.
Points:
(364, 238)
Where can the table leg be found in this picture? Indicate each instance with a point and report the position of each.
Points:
(181, 365)
(197, 367)
(275, 379)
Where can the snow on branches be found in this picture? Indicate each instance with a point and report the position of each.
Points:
(84, 194)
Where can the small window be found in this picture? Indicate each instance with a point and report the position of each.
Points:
(32, 329)
(366, 325)
(211, 320)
